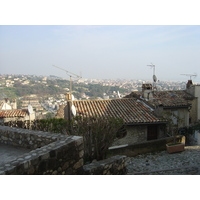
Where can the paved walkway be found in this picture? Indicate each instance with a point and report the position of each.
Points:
(163, 163)
(9, 153)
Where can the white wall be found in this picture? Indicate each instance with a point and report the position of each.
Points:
(197, 94)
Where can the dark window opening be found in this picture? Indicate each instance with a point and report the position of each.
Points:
(152, 132)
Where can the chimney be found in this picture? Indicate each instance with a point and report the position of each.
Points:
(189, 84)
(14, 104)
(147, 91)
(69, 96)
(68, 107)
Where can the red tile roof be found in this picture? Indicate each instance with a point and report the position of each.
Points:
(13, 113)
(130, 110)
(178, 98)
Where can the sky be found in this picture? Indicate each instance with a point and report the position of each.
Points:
(101, 51)
(101, 46)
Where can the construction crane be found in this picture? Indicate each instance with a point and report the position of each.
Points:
(70, 75)
(190, 75)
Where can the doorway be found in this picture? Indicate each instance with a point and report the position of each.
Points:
(152, 132)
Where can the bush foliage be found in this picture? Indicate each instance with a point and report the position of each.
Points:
(98, 132)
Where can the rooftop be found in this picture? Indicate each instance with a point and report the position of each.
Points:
(130, 110)
(13, 113)
(173, 98)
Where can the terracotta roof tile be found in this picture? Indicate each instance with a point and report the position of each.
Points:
(166, 98)
(13, 113)
(130, 110)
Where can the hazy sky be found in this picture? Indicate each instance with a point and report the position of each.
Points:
(110, 51)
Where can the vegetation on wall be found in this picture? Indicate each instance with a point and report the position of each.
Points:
(98, 133)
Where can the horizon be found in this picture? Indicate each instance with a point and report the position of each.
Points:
(101, 51)
(131, 79)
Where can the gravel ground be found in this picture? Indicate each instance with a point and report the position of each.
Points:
(163, 163)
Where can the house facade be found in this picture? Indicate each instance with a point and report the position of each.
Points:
(194, 90)
(139, 120)
(6, 104)
(9, 112)
(15, 115)
(176, 105)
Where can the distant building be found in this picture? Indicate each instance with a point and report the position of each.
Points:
(9, 112)
(6, 104)
(16, 115)
(33, 101)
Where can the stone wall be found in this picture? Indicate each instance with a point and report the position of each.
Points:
(27, 138)
(51, 153)
(138, 134)
(54, 154)
(144, 147)
(114, 165)
(135, 134)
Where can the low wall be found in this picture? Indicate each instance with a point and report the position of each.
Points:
(54, 154)
(114, 165)
(28, 139)
(131, 150)
(51, 154)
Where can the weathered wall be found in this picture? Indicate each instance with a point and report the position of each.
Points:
(144, 147)
(114, 165)
(27, 138)
(184, 115)
(135, 134)
(138, 134)
(53, 154)
(197, 94)
(195, 91)
(59, 155)
(193, 111)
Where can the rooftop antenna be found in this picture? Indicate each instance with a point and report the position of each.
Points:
(70, 75)
(118, 94)
(190, 75)
(154, 76)
(71, 105)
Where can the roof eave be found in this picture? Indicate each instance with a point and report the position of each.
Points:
(180, 106)
(144, 123)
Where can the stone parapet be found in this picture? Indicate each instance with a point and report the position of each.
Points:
(114, 165)
(27, 138)
(51, 153)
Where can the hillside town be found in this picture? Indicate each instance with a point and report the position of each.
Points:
(150, 112)
(25, 89)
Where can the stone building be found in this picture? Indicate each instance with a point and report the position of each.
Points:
(16, 115)
(194, 90)
(9, 112)
(139, 120)
(178, 103)
(7, 104)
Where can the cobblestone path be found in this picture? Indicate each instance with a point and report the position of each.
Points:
(163, 163)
